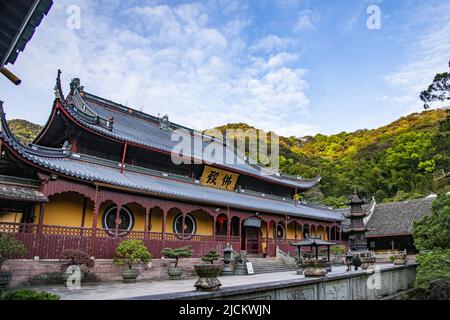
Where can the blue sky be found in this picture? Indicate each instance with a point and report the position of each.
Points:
(295, 67)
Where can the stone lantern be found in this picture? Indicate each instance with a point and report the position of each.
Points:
(227, 253)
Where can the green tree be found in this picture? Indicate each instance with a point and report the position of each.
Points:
(178, 253)
(432, 238)
(132, 251)
(433, 231)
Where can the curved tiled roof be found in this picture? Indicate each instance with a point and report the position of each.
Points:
(125, 124)
(103, 171)
(397, 217)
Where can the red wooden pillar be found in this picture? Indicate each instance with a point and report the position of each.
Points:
(228, 225)
(38, 239)
(119, 208)
(123, 157)
(295, 230)
(276, 235)
(41, 218)
(214, 228)
(94, 222)
(147, 214)
(83, 214)
(164, 228)
(183, 219)
(286, 229)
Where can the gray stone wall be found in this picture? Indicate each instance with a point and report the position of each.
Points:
(353, 286)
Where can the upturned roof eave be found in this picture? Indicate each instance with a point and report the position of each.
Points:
(59, 97)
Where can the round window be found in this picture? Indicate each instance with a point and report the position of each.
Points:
(126, 220)
(281, 232)
(189, 226)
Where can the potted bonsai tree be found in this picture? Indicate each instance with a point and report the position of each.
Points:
(10, 248)
(315, 268)
(173, 270)
(208, 272)
(77, 258)
(129, 252)
(400, 258)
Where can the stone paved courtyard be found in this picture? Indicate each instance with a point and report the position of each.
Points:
(119, 290)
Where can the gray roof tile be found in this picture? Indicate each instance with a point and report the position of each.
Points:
(397, 217)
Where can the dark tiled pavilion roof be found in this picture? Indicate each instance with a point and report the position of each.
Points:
(18, 21)
(21, 193)
(132, 126)
(396, 218)
(152, 182)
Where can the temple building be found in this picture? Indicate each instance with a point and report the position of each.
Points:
(390, 224)
(99, 172)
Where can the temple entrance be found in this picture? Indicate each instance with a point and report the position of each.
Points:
(251, 240)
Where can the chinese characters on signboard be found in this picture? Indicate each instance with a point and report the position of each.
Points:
(221, 179)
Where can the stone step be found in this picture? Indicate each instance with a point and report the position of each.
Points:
(268, 265)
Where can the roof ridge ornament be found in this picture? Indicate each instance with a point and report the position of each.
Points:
(75, 84)
(164, 123)
(57, 89)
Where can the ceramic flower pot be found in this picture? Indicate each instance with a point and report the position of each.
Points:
(5, 279)
(129, 275)
(400, 259)
(314, 268)
(174, 273)
(208, 274)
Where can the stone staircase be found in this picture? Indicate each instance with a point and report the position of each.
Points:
(268, 265)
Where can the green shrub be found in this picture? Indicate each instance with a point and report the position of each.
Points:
(183, 252)
(73, 257)
(26, 294)
(132, 251)
(56, 277)
(211, 256)
(337, 250)
(392, 258)
(433, 265)
(10, 248)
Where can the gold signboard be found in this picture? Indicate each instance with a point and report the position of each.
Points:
(221, 179)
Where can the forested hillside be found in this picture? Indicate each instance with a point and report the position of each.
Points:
(24, 130)
(402, 160)
(408, 158)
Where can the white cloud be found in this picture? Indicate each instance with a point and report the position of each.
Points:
(271, 43)
(429, 54)
(306, 21)
(163, 59)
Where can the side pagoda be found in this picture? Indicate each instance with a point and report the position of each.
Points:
(357, 229)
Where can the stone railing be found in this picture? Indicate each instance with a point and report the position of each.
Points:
(355, 285)
(286, 258)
